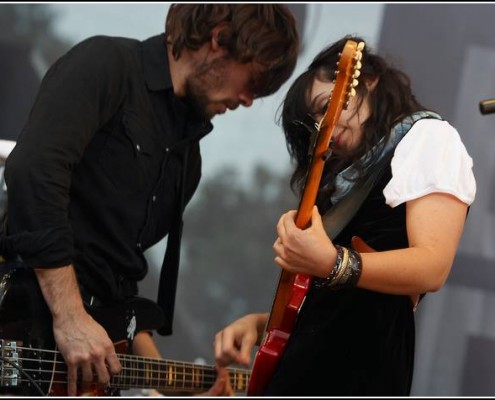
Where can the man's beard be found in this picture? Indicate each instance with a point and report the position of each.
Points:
(208, 77)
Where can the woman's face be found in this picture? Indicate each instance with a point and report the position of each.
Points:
(348, 132)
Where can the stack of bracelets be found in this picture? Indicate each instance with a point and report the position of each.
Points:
(346, 272)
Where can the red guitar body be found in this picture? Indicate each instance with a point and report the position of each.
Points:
(270, 352)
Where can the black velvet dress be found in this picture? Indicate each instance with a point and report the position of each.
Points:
(353, 342)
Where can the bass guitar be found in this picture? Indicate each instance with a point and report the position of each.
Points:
(30, 364)
(292, 288)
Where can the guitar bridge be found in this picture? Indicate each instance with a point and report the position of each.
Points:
(9, 367)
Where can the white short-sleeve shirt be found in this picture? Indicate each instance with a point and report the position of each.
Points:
(430, 158)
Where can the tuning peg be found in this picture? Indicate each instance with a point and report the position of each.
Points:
(358, 56)
(354, 83)
(360, 46)
(352, 92)
(358, 65)
(356, 73)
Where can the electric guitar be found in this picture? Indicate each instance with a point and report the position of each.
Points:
(30, 363)
(292, 288)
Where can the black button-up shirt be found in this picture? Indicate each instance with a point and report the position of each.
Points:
(95, 177)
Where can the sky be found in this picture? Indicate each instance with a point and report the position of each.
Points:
(247, 136)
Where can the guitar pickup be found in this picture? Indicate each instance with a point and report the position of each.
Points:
(9, 373)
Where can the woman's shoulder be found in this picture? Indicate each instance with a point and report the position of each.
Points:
(432, 130)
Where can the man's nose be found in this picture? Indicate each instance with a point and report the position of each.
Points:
(246, 99)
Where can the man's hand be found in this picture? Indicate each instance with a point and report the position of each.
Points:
(83, 343)
(87, 349)
(222, 385)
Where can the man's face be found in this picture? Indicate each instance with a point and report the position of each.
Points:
(219, 85)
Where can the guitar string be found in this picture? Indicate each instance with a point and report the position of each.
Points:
(189, 382)
(129, 384)
(129, 359)
(147, 371)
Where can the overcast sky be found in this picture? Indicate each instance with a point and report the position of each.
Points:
(244, 137)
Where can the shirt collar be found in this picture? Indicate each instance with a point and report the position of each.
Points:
(157, 74)
(155, 61)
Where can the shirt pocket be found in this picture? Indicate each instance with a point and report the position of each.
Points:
(126, 157)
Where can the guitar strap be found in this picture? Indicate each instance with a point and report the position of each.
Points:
(342, 212)
(339, 215)
(169, 271)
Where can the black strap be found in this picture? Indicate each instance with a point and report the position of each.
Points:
(339, 215)
(167, 287)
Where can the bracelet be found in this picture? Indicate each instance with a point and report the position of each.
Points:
(326, 282)
(353, 270)
(345, 273)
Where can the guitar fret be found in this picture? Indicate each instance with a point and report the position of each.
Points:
(171, 375)
(184, 374)
(156, 370)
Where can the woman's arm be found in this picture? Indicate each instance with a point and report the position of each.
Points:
(434, 227)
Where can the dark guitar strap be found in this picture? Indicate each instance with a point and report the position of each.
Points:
(339, 215)
(170, 266)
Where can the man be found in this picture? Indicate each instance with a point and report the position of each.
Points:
(109, 158)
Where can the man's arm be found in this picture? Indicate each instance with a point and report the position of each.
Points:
(83, 343)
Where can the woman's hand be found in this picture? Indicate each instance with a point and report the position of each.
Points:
(307, 251)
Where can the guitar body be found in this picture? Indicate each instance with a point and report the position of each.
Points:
(270, 352)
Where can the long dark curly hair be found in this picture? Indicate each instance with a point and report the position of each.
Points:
(391, 99)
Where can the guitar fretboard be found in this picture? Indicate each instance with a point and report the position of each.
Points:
(46, 369)
(173, 375)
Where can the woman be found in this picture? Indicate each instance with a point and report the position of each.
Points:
(355, 332)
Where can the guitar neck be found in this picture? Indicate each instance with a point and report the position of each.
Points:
(290, 285)
(47, 370)
(167, 375)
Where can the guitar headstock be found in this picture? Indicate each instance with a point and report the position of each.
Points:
(355, 70)
(345, 81)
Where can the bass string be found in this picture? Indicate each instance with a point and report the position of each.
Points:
(187, 370)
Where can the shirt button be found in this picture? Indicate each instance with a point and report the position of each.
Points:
(138, 245)
(153, 198)
(138, 147)
(167, 150)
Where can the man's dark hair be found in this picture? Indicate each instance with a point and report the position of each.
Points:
(265, 34)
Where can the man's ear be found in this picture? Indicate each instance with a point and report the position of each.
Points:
(219, 37)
